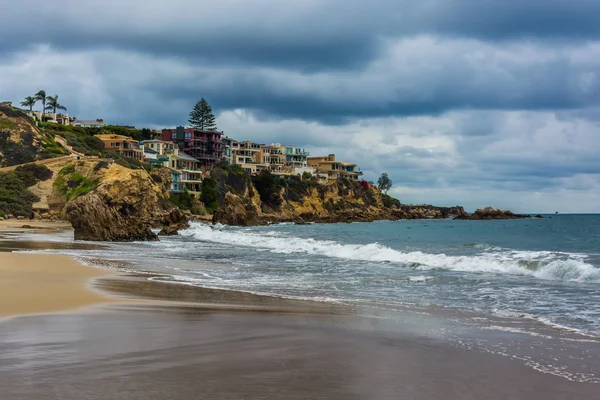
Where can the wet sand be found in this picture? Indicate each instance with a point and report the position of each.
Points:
(168, 353)
(26, 225)
(40, 283)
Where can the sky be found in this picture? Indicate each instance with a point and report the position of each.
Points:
(469, 102)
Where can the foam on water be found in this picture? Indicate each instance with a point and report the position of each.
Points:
(541, 265)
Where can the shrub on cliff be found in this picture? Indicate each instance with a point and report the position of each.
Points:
(32, 173)
(268, 189)
(210, 194)
(182, 200)
(15, 197)
(390, 202)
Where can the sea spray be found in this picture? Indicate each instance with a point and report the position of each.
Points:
(542, 265)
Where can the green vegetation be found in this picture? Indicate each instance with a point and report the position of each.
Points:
(15, 197)
(41, 96)
(184, 200)
(13, 152)
(384, 183)
(6, 125)
(30, 174)
(210, 194)
(202, 116)
(268, 188)
(72, 184)
(54, 105)
(51, 149)
(390, 202)
(29, 102)
(79, 185)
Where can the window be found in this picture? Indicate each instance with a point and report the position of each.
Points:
(173, 135)
(188, 135)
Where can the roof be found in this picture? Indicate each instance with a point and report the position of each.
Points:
(184, 156)
(88, 122)
(157, 141)
(150, 151)
(112, 136)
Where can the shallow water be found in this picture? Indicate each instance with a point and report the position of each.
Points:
(534, 279)
(547, 270)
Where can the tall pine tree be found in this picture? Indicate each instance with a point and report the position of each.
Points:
(202, 117)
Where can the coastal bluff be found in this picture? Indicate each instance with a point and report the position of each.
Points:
(265, 199)
(107, 202)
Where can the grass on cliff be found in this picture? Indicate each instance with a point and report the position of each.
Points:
(72, 184)
(15, 197)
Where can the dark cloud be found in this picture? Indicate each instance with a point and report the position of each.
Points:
(456, 99)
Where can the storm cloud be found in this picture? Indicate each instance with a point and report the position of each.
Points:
(460, 101)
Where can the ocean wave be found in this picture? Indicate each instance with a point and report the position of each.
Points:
(541, 265)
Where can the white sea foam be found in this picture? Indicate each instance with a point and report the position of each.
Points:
(541, 265)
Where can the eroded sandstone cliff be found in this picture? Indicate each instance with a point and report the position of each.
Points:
(107, 202)
(268, 199)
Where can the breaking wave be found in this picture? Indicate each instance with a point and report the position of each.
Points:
(541, 265)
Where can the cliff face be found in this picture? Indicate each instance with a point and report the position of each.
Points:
(270, 199)
(108, 202)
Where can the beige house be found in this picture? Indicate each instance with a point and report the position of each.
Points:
(161, 147)
(328, 167)
(124, 145)
(277, 158)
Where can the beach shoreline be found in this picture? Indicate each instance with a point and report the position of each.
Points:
(154, 338)
(47, 283)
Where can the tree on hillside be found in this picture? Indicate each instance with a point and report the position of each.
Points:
(384, 183)
(202, 117)
(54, 105)
(41, 95)
(29, 102)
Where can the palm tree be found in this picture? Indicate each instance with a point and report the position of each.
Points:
(54, 105)
(29, 102)
(41, 95)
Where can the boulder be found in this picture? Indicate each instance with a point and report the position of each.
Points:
(237, 211)
(124, 206)
(173, 222)
(93, 219)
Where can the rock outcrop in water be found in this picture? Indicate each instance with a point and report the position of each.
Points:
(488, 213)
(114, 203)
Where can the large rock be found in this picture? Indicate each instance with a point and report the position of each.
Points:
(488, 213)
(93, 219)
(124, 206)
(238, 212)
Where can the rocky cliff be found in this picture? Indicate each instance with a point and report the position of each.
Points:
(267, 199)
(107, 202)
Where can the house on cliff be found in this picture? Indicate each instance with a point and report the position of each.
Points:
(204, 146)
(329, 167)
(124, 145)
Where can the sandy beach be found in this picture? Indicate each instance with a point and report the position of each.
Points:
(26, 225)
(41, 283)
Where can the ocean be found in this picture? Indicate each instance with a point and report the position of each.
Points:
(528, 289)
(542, 270)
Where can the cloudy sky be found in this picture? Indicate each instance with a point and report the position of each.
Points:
(472, 102)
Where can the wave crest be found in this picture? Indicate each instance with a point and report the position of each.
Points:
(541, 265)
